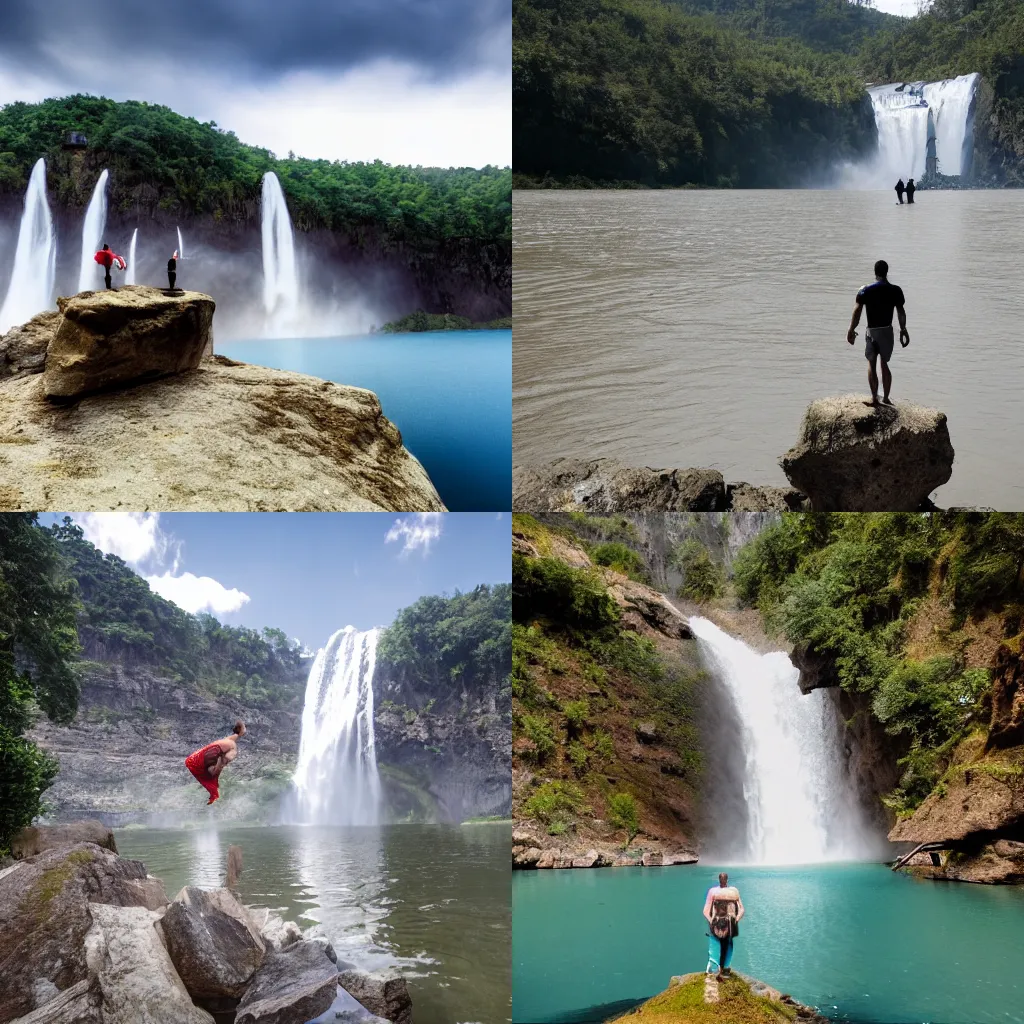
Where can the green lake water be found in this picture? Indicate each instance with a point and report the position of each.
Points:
(432, 900)
(857, 941)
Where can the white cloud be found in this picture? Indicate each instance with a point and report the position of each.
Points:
(417, 531)
(197, 593)
(135, 537)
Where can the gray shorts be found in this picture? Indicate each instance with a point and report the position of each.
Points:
(879, 341)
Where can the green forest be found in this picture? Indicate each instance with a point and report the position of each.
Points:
(745, 93)
(64, 603)
(161, 161)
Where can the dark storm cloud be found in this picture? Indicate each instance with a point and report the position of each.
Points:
(257, 38)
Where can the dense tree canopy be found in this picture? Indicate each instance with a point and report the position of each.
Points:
(160, 160)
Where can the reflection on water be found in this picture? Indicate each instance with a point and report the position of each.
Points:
(675, 328)
(432, 900)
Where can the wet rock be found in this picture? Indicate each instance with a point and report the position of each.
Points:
(384, 993)
(115, 338)
(817, 671)
(605, 485)
(37, 838)
(23, 348)
(292, 986)
(213, 943)
(852, 457)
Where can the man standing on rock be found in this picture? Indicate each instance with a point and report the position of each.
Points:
(723, 911)
(172, 270)
(208, 762)
(880, 299)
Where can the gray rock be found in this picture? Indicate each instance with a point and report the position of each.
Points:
(646, 732)
(605, 485)
(43, 991)
(23, 348)
(852, 457)
(37, 838)
(79, 1004)
(213, 943)
(741, 497)
(293, 986)
(384, 993)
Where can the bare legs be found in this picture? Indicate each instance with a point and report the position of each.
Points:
(873, 381)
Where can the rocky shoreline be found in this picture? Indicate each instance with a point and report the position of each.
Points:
(532, 849)
(87, 937)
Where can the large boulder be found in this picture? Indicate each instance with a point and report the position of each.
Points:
(1007, 725)
(213, 943)
(276, 932)
(223, 437)
(384, 993)
(853, 457)
(136, 977)
(46, 911)
(113, 338)
(37, 838)
(23, 348)
(291, 987)
(82, 1003)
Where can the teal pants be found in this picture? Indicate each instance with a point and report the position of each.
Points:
(719, 954)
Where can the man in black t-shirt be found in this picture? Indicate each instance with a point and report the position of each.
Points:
(880, 300)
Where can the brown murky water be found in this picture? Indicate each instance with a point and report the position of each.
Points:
(694, 328)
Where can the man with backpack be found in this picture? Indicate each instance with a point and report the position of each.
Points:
(723, 910)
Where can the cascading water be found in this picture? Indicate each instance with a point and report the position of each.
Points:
(915, 117)
(129, 274)
(35, 259)
(92, 234)
(336, 780)
(280, 277)
(801, 807)
(181, 246)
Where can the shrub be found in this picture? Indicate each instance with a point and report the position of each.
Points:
(578, 756)
(603, 745)
(622, 814)
(703, 578)
(538, 730)
(573, 597)
(575, 712)
(620, 558)
(557, 804)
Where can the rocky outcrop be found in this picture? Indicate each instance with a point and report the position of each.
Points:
(23, 348)
(215, 946)
(1007, 724)
(605, 485)
(532, 848)
(35, 839)
(997, 863)
(296, 984)
(817, 669)
(384, 993)
(225, 436)
(82, 1003)
(853, 457)
(113, 338)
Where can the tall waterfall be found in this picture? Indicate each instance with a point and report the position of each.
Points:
(801, 806)
(181, 246)
(280, 277)
(920, 120)
(35, 259)
(129, 274)
(336, 780)
(92, 234)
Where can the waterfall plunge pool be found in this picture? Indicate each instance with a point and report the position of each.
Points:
(448, 392)
(858, 941)
(431, 900)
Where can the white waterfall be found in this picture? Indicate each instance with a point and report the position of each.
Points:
(911, 117)
(35, 259)
(280, 277)
(92, 234)
(129, 274)
(801, 805)
(336, 780)
(181, 246)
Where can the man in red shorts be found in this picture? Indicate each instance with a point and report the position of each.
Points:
(208, 762)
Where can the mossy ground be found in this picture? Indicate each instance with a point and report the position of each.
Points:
(684, 1004)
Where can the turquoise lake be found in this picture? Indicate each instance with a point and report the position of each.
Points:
(857, 941)
(449, 392)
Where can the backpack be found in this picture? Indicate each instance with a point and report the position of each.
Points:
(723, 919)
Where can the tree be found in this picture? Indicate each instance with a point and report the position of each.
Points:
(38, 650)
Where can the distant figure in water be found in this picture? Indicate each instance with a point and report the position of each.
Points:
(899, 191)
(723, 911)
(880, 299)
(208, 762)
(911, 189)
(172, 270)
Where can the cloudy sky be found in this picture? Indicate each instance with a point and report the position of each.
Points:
(306, 573)
(908, 8)
(405, 81)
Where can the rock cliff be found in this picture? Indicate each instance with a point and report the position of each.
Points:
(211, 435)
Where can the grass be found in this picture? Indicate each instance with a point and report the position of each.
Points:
(684, 1004)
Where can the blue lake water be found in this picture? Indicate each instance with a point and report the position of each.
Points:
(449, 392)
(858, 941)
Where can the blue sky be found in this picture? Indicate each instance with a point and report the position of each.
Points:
(306, 573)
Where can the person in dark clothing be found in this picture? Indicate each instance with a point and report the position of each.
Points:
(911, 189)
(880, 299)
(172, 267)
(107, 263)
(899, 191)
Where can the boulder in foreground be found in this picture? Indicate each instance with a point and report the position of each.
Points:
(384, 993)
(23, 348)
(37, 838)
(224, 437)
(853, 457)
(108, 339)
(296, 984)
